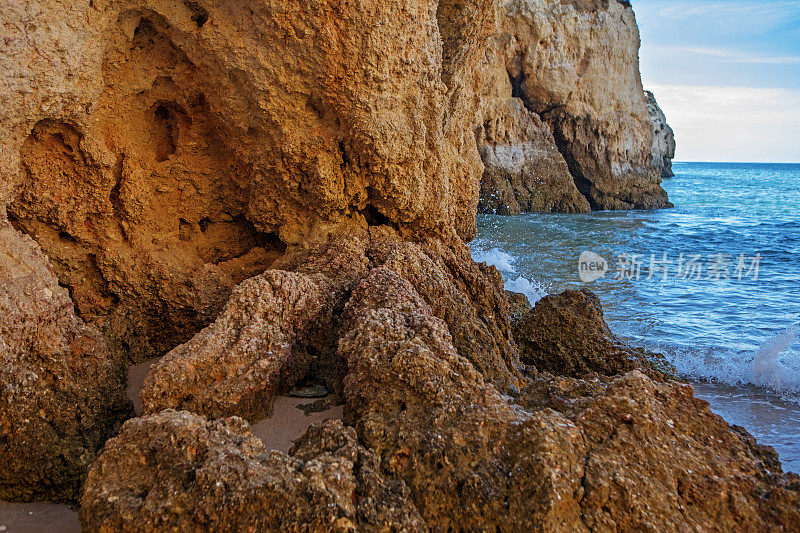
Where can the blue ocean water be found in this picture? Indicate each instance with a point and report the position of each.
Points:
(722, 300)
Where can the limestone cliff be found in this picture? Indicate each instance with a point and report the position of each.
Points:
(523, 169)
(663, 138)
(161, 152)
(575, 65)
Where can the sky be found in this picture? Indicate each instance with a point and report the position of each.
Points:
(727, 75)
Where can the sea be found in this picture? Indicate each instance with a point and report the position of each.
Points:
(713, 284)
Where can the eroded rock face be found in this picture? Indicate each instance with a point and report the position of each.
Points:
(663, 138)
(523, 169)
(575, 64)
(171, 150)
(284, 324)
(61, 394)
(263, 168)
(568, 455)
(566, 335)
(176, 470)
(432, 443)
(658, 458)
(467, 296)
(262, 342)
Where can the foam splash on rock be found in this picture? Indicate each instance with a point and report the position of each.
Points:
(504, 262)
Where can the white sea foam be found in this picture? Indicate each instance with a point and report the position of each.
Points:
(504, 262)
(534, 290)
(775, 365)
(496, 257)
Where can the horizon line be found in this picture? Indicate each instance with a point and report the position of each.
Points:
(743, 162)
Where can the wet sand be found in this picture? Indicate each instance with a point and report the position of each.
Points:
(287, 424)
(39, 517)
(136, 375)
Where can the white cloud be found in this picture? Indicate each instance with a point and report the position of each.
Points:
(732, 123)
(732, 56)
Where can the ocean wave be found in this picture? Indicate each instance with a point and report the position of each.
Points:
(775, 365)
(534, 290)
(504, 262)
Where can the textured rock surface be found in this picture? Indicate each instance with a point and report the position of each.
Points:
(467, 296)
(178, 471)
(263, 168)
(432, 444)
(566, 334)
(162, 152)
(568, 455)
(61, 395)
(663, 137)
(523, 169)
(283, 325)
(257, 348)
(575, 64)
(657, 458)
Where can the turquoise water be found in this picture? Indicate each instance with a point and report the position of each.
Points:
(733, 327)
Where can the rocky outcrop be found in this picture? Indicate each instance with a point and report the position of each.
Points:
(575, 65)
(61, 394)
(431, 443)
(178, 471)
(523, 169)
(663, 138)
(557, 458)
(163, 152)
(282, 326)
(657, 458)
(566, 335)
(469, 299)
(260, 345)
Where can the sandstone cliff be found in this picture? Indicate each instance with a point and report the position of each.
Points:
(663, 138)
(262, 194)
(575, 65)
(161, 155)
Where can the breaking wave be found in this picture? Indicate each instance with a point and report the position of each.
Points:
(504, 262)
(775, 365)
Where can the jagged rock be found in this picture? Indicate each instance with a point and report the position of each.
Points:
(618, 453)
(178, 471)
(566, 335)
(467, 296)
(283, 325)
(61, 394)
(663, 138)
(518, 306)
(255, 349)
(431, 417)
(567, 454)
(575, 64)
(238, 364)
(162, 153)
(658, 459)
